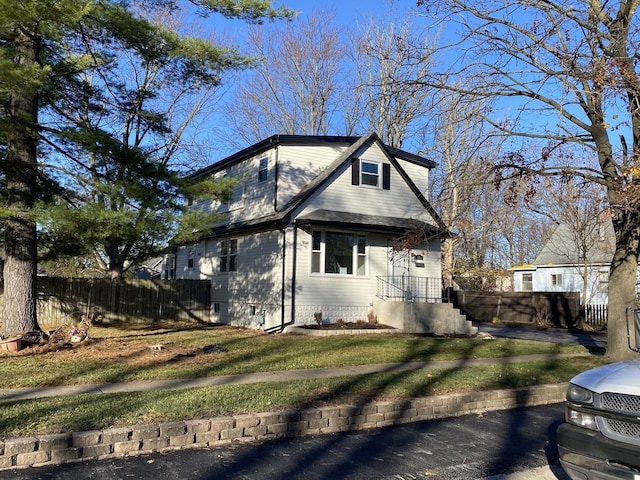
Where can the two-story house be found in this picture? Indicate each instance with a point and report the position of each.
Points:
(312, 229)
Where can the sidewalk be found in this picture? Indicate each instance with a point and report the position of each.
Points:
(597, 340)
(259, 377)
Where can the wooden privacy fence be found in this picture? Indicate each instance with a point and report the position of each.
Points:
(541, 309)
(65, 300)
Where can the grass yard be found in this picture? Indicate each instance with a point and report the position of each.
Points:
(118, 354)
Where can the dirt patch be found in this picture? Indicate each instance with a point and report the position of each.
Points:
(111, 350)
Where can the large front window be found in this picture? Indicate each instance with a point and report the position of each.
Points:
(338, 253)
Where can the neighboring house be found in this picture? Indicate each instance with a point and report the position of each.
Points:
(570, 262)
(310, 230)
(150, 270)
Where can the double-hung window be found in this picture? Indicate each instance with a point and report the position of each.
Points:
(527, 282)
(369, 173)
(556, 279)
(263, 169)
(228, 255)
(338, 253)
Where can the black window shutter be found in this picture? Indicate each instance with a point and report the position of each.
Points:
(355, 171)
(386, 176)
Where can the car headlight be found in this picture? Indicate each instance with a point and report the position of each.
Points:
(581, 419)
(582, 396)
(579, 394)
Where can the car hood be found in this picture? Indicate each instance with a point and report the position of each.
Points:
(622, 377)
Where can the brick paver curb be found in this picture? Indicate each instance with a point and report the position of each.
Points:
(44, 450)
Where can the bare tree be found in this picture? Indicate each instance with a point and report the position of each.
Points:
(457, 139)
(296, 89)
(569, 73)
(391, 62)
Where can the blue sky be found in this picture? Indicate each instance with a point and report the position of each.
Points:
(346, 11)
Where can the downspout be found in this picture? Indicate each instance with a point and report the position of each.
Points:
(293, 274)
(284, 278)
(275, 181)
(283, 323)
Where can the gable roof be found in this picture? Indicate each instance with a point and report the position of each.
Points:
(348, 156)
(292, 140)
(561, 248)
(287, 213)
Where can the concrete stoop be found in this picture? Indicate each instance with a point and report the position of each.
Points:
(214, 432)
(422, 317)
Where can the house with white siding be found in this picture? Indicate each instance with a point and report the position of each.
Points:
(311, 229)
(572, 262)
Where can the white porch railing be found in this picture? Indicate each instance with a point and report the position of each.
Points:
(410, 288)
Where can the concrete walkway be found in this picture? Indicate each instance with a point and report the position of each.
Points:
(260, 377)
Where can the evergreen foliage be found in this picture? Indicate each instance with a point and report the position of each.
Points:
(88, 93)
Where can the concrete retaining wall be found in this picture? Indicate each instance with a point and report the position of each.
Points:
(422, 317)
(219, 431)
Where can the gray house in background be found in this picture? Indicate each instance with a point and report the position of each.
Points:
(311, 228)
(571, 262)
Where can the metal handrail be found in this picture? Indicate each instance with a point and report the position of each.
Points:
(410, 288)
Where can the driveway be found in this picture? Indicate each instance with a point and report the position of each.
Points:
(548, 335)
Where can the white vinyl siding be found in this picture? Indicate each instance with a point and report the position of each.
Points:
(256, 285)
(349, 296)
(419, 175)
(299, 165)
(342, 196)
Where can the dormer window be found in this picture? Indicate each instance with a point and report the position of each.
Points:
(371, 174)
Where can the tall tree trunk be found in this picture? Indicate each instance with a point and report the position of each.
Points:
(116, 262)
(622, 295)
(448, 262)
(20, 268)
(622, 283)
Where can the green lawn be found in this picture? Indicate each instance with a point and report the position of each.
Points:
(120, 355)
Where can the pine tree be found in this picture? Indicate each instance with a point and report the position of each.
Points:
(49, 49)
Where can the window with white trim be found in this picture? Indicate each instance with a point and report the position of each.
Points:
(228, 255)
(316, 251)
(338, 253)
(527, 282)
(263, 171)
(556, 279)
(369, 173)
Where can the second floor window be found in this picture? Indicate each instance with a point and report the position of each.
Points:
(527, 282)
(369, 174)
(228, 255)
(263, 170)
